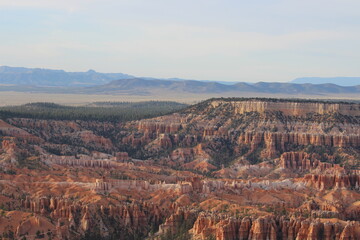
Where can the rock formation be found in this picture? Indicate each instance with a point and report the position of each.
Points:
(225, 169)
(263, 228)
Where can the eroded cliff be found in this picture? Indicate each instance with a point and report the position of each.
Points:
(222, 169)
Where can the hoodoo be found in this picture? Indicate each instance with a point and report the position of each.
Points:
(224, 169)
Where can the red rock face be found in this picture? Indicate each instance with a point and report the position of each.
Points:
(275, 142)
(135, 216)
(277, 128)
(289, 108)
(334, 180)
(219, 170)
(303, 161)
(9, 146)
(178, 218)
(264, 228)
(84, 161)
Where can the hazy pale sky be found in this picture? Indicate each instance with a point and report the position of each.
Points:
(229, 40)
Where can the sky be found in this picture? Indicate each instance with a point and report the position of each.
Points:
(227, 40)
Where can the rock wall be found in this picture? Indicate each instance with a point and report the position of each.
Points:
(277, 141)
(290, 108)
(195, 185)
(333, 180)
(83, 218)
(271, 228)
(84, 161)
(303, 161)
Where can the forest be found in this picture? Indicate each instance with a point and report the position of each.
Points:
(97, 111)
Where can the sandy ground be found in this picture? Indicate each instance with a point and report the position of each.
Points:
(18, 98)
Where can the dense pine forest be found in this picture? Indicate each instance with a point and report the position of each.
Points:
(98, 111)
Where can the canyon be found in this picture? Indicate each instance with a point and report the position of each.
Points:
(224, 169)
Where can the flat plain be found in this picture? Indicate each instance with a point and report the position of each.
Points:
(18, 98)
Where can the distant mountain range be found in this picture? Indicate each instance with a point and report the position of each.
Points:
(47, 77)
(341, 81)
(91, 82)
(155, 87)
(147, 87)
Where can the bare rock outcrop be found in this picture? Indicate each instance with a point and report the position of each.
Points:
(302, 161)
(270, 228)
